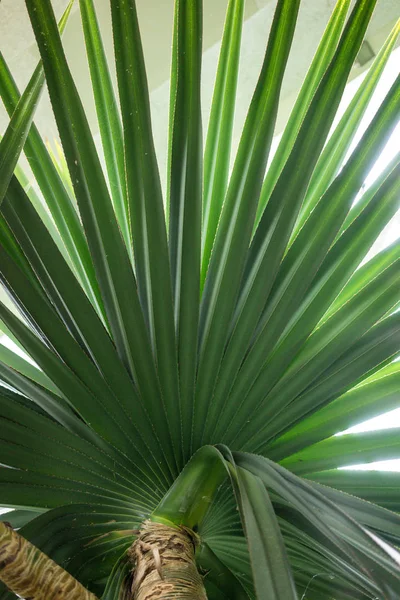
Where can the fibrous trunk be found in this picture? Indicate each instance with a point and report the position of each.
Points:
(31, 574)
(164, 564)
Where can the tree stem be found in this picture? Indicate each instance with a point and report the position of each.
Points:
(163, 557)
(28, 572)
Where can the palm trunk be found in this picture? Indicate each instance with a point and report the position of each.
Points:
(164, 564)
(28, 572)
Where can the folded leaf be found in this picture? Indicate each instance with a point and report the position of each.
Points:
(271, 573)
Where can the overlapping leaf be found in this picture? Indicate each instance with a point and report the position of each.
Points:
(135, 365)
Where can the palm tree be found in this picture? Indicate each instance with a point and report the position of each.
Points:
(192, 361)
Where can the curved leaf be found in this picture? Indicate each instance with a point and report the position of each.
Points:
(271, 572)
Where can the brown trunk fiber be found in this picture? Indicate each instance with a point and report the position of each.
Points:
(31, 574)
(164, 564)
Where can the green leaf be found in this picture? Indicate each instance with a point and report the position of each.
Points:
(236, 222)
(60, 163)
(19, 518)
(347, 449)
(24, 367)
(335, 150)
(44, 215)
(52, 405)
(379, 519)
(321, 60)
(368, 196)
(82, 321)
(217, 151)
(233, 552)
(11, 246)
(148, 226)
(18, 128)
(40, 454)
(374, 486)
(23, 488)
(119, 581)
(373, 396)
(56, 196)
(95, 403)
(339, 264)
(312, 556)
(89, 460)
(5, 594)
(66, 295)
(185, 199)
(371, 269)
(328, 343)
(377, 563)
(189, 498)
(269, 563)
(313, 416)
(270, 240)
(16, 209)
(110, 257)
(300, 266)
(108, 116)
(219, 581)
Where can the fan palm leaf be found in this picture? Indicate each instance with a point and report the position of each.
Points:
(182, 361)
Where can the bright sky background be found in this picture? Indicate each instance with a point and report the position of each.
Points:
(390, 234)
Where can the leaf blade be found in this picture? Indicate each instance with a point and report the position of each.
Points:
(337, 146)
(107, 115)
(219, 134)
(110, 257)
(185, 200)
(18, 129)
(320, 62)
(148, 227)
(237, 218)
(269, 563)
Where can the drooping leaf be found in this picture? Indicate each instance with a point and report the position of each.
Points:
(271, 572)
(336, 525)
